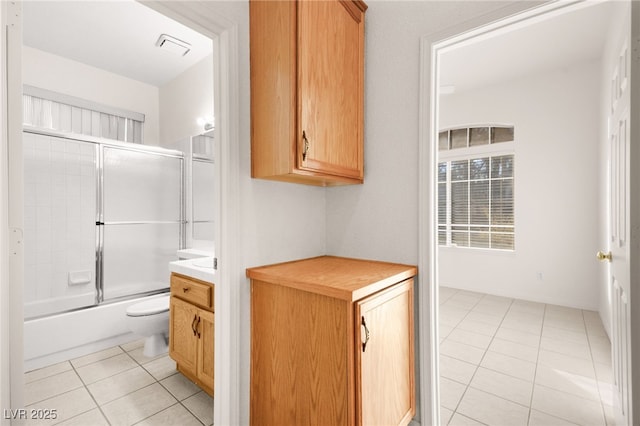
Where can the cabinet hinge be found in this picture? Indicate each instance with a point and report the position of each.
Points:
(215, 263)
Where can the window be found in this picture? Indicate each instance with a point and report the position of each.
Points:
(476, 188)
(45, 109)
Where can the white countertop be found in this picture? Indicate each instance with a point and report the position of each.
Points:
(200, 268)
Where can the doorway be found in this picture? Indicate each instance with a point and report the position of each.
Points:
(461, 242)
(209, 21)
(91, 237)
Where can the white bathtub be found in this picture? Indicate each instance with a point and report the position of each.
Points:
(70, 335)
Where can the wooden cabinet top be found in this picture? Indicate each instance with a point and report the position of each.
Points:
(337, 277)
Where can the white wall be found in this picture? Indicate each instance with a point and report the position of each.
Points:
(170, 111)
(278, 221)
(379, 219)
(183, 100)
(557, 127)
(52, 72)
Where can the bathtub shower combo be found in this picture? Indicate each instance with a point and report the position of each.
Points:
(103, 218)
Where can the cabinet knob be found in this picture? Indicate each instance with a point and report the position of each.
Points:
(366, 335)
(185, 289)
(305, 146)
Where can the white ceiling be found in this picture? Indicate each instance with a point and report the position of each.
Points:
(117, 36)
(545, 45)
(120, 36)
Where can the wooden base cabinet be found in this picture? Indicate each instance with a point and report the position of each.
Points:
(191, 323)
(332, 343)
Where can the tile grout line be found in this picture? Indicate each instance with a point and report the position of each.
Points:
(137, 364)
(546, 316)
(97, 360)
(176, 398)
(158, 381)
(89, 392)
(593, 364)
(535, 372)
(455, 410)
(83, 386)
(509, 356)
(481, 358)
(487, 349)
(52, 396)
(99, 406)
(163, 387)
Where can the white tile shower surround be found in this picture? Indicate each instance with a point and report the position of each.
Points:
(59, 219)
(511, 362)
(117, 386)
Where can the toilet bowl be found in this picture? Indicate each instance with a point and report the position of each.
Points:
(151, 320)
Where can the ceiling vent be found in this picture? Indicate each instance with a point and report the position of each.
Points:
(173, 45)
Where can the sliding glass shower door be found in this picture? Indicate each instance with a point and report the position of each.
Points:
(140, 228)
(60, 236)
(102, 221)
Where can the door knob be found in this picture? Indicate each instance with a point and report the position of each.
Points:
(604, 256)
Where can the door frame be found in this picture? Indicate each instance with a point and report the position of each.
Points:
(11, 211)
(634, 206)
(501, 20)
(204, 17)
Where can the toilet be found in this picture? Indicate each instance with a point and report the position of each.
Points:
(151, 319)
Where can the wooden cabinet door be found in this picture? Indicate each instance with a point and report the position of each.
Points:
(183, 342)
(205, 348)
(330, 87)
(385, 388)
(299, 357)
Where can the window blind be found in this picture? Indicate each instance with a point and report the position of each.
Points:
(50, 110)
(476, 194)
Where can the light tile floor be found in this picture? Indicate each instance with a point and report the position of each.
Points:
(117, 386)
(512, 362)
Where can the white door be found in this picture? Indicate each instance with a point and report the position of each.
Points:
(619, 262)
(619, 245)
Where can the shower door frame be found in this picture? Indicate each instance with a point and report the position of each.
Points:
(100, 222)
(99, 145)
(188, 188)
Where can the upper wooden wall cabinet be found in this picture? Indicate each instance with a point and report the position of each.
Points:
(307, 91)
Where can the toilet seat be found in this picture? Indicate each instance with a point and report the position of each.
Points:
(154, 306)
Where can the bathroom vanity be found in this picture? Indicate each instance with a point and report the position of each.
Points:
(191, 321)
(332, 342)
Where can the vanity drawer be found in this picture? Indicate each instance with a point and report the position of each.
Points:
(194, 291)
